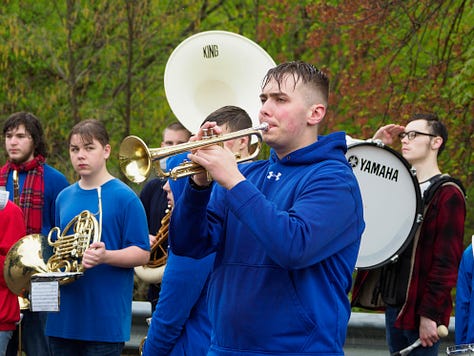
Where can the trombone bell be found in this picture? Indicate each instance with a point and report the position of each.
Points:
(136, 158)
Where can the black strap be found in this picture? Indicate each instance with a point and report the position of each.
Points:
(436, 182)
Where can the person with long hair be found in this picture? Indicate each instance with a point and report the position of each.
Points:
(34, 185)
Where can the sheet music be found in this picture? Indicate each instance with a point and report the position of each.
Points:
(4, 194)
(44, 296)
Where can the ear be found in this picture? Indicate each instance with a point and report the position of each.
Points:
(244, 142)
(436, 143)
(107, 150)
(316, 115)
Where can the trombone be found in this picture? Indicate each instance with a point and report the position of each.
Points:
(136, 159)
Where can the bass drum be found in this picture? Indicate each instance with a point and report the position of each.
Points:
(391, 198)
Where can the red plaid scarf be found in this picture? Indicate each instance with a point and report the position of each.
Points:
(32, 194)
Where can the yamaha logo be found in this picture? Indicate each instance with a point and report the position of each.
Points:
(375, 168)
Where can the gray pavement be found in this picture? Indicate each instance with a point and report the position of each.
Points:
(366, 336)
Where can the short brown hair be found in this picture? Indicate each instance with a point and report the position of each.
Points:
(89, 130)
(301, 71)
(234, 117)
(436, 127)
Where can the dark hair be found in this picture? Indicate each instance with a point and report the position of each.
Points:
(301, 71)
(435, 125)
(32, 126)
(234, 117)
(177, 126)
(89, 130)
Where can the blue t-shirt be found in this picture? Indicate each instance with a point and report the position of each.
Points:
(98, 305)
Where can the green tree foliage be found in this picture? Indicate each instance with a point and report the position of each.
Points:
(66, 60)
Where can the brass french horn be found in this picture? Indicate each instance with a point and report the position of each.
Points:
(29, 255)
(153, 271)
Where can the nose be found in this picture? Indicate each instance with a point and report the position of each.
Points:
(265, 109)
(13, 140)
(81, 154)
(404, 140)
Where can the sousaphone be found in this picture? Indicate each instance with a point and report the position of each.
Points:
(206, 71)
(212, 69)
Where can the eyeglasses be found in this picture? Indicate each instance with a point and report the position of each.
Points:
(412, 134)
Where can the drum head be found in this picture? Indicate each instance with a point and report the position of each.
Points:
(391, 199)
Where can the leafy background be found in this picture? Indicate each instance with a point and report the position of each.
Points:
(67, 60)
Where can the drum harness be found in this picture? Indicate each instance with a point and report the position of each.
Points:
(390, 282)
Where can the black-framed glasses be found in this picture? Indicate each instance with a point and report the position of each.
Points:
(412, 134)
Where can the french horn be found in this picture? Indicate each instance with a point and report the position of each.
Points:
(153, 271)
(35, 254)
(28, 255)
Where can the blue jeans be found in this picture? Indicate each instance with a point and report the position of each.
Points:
(398, 339)
(5, 336)
(61, 347)
(33, 339)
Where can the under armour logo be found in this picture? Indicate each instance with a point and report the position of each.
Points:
(273, 175)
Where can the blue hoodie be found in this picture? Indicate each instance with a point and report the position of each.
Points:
(180, 324)
(287, 240)
(464, 328)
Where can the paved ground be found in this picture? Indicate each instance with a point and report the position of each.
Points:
(376, 351)
(365, 336)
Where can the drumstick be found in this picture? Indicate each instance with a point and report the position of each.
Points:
(442, 332)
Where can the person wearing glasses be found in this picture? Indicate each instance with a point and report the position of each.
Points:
(415, 291)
